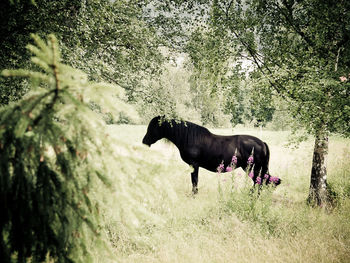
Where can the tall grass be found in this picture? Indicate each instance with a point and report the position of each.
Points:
(231, 225)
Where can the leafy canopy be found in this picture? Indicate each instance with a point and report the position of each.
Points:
(301, 50)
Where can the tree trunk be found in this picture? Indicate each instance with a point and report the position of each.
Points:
(318, 193)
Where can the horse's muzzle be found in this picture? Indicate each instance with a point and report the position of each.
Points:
(146, 143)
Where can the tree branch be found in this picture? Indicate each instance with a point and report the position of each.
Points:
(54, 66)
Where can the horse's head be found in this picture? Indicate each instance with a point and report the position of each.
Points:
(153, 132)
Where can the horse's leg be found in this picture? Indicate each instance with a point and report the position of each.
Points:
(194, 178)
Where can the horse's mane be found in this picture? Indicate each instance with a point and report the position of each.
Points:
(183, 132)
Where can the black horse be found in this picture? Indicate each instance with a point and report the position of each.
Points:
(200, 148)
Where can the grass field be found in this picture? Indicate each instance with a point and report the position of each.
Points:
(224, 225)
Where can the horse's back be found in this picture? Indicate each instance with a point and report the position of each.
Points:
(249, 143)
(217, 148)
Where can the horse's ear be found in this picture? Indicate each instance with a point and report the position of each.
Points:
(157, 119)
(161, 119)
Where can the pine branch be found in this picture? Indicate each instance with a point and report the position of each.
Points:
(54, 67)
(54, 63)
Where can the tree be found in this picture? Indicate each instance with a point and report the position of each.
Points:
(52, 160)
(301, 48)
(18, 20)
(214, 82)
(109, 40)
(224, 88)
(170, 94)
(61, 172)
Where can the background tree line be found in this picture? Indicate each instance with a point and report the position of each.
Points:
(135, 44)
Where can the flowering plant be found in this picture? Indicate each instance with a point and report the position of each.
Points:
(229, 169)
(258, 180)
(221, 167)
(251, 174)
(274, 179)
(250, 159)
(234, 160)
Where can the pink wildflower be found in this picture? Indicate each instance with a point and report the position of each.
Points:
(266, 176)
(250, 160)
(228, 169)
(234, 159)
(343, 78)
(251, 175)
(220, 168)
(274, 179)
(258, 180)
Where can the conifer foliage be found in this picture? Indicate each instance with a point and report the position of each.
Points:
(51, 160)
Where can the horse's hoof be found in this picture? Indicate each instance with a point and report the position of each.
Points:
(195, 190)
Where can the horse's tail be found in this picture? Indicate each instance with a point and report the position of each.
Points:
(267, 157)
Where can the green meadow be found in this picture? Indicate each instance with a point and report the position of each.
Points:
(225, 222)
